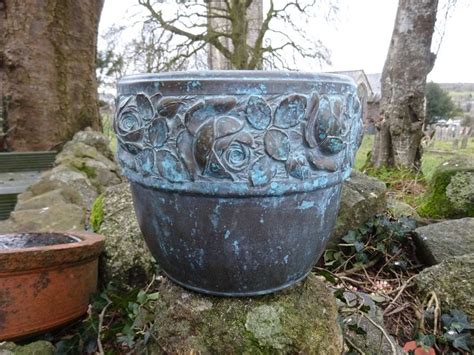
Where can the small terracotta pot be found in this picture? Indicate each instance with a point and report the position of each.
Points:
(46, 280)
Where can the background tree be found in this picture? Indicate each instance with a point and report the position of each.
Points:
(48, 71)
(228, 27)
(409, 60)
(439, 104)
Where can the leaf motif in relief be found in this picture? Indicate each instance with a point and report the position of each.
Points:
(144, 106)
(227, 125)
(126, 159)
(321, 162)
(262, 171)
(353, 106)
(245, 137)
(145, 161)
(290, 111)
(323, 119)
(203, 143)
(221, 104)
(332, 145)
(277, 144)
(132, 148)
(194, 118)
(311, 115)
(201, 111)
(170, 167)
(155, 99)
(258, 112)
(184, 147)
(297, 166)
(169, 106)
(158, 132)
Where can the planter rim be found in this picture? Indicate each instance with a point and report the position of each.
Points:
(26, 259)
(241, 75)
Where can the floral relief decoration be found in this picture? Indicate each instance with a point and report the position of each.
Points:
(255, 139)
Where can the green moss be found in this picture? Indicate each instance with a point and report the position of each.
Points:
(88, 170)
(301, 319)
(435, 203)
(97, 213)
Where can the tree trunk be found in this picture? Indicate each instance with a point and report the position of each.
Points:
(48, 67)
(409, 60)
(244, 32)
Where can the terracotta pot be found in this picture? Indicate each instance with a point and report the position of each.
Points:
(236, 175)
(46, 280)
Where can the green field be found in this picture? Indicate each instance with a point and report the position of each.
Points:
(438, 152)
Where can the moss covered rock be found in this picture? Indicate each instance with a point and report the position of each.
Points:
(439, 241)
(452, 281)
(126, 261)
(460, 192)
(301, 319)
(450, 193)
(40, 347)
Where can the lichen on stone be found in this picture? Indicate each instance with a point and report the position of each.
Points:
(460, 192)
(265, 325)
(300, 319)
(126, 260)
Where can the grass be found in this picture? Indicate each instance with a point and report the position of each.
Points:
(434, 155)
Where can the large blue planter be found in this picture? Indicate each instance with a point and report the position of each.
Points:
(236, 176)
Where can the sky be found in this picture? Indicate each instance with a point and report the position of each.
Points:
(360, 36)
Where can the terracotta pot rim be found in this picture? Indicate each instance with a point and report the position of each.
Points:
(24, 259)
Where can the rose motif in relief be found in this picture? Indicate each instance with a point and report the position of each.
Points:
(222, 147)
(215, 140)
(225, 137)
(130, 118)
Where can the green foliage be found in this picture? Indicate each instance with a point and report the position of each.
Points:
(379, 237)
(108, 63)
(123, 321)
(97, 213)
(439, 104)
(456, 333)
(457, 330)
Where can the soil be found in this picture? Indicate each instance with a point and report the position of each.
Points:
(33, 240)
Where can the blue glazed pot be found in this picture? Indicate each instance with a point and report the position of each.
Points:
(236, 176)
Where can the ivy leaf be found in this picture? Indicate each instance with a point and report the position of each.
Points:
(350, 237)
(359, 246)
(463, 342)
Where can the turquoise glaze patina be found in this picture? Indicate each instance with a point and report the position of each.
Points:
(222, 164)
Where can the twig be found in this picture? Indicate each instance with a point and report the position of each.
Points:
(99, 330)
(432, 298)
(354, 346)
(392, 345)
(359, 267)
(402, 288)
(398, 309)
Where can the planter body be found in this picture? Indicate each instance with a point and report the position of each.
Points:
(45, 286)
(236, 175)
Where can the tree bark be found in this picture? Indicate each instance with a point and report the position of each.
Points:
(243, 28)
(49, 80)
(409, 60)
